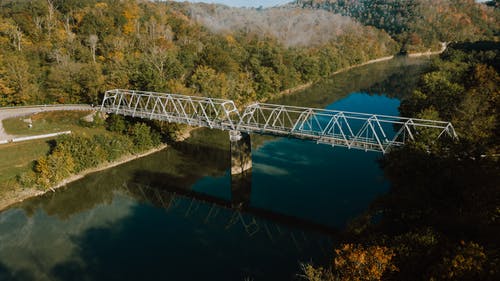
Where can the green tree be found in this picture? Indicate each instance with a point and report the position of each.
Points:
(208, 82)
(142, 136)
(18, 80)
(116, 123)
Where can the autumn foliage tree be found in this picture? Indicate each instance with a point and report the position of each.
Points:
(354, 262)
(54, 168)
(359, 263)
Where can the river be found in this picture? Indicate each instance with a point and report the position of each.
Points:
(175, 215)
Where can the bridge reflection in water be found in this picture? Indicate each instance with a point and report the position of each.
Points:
(236, 212)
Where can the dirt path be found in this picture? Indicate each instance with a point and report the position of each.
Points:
(429, 52)
(10, 112)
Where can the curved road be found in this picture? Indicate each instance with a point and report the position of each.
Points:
(10, 112)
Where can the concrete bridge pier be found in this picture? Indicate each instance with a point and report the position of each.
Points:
(241, 152)
(241, 167)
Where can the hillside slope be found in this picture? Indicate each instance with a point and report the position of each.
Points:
(72, 51)
(418, 24)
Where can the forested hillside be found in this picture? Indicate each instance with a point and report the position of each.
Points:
(56, 51)
(419, 24)
(292, 27)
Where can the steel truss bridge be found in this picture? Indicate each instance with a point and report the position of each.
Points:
(369, 132)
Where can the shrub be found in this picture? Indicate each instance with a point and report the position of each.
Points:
(116, 123)
(54, 168)
(143, 137)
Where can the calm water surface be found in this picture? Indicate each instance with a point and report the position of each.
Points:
(175, 215)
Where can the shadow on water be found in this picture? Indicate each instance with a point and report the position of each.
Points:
(185, 235)
(168, 229)
(148, 186)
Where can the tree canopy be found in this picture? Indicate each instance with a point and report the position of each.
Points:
(72, 51)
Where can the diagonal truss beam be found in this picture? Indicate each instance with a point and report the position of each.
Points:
(369, 132)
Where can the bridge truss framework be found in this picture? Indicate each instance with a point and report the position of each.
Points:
(369, 132)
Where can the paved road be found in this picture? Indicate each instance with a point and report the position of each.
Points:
(6, 113)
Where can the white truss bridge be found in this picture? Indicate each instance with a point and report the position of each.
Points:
(369, 132)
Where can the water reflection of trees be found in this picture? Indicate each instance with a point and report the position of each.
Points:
(394, 78)
(400, 84)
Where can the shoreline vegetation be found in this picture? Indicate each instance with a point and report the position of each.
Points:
(342, 70)
(21, 194)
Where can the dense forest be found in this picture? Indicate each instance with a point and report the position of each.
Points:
(57, 51)
(440, 218)
(419, 24)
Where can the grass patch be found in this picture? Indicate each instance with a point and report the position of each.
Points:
(45, 123)
(17, 158)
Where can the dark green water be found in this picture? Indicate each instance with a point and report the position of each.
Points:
(175, 216)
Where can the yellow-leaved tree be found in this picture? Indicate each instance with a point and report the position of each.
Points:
(359, 263)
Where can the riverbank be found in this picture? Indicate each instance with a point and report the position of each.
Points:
(307, 85)
(21, 194)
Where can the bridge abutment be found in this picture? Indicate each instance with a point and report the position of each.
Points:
(241, 152)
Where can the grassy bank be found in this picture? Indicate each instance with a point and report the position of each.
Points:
(12, 194)
(49, 122)
(18, 158)
(32, 168)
